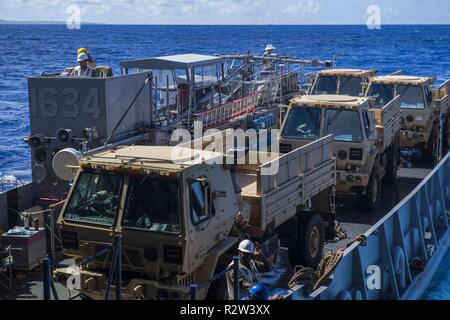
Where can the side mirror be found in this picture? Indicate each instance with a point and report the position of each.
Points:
(309, 78)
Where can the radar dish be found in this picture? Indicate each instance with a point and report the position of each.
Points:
(65, 163)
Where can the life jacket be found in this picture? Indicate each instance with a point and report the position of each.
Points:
(88, 72)
(251, 275)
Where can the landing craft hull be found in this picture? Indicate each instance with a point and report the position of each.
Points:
(417, 228)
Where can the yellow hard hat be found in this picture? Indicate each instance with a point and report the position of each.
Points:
(82, 50)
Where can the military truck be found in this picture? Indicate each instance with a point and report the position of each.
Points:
(352, 82)
(365, 139)
(424, 110)
(177, 216)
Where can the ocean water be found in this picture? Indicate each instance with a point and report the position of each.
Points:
(440, 287)
(30, 49)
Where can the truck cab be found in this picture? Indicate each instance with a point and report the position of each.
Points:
(352, 82)
(176, 209)
(164, 212)
(420, 110)
(362, 160)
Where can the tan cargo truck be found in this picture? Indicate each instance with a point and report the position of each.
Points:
(365, 139)
(424, 110)
(178, 219)
(351, 82)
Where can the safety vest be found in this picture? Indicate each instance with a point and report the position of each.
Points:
(87, 72)
(250, 275)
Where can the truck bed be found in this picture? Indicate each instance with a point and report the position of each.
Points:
(441, 98)
(387, 123)
(301, 175)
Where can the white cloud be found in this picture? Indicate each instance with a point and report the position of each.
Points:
(228, 11)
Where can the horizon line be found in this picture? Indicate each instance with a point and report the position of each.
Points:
(50, 22)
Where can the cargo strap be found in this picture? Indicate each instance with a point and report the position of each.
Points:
(361, 238)
(339, 232)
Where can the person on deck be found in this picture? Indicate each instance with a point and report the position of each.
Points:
(91, 62)
(84, 69)
(249, 268)
(268, 52)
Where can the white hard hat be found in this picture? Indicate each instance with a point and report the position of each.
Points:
(269, 47)
(82, 57)
(246, 246)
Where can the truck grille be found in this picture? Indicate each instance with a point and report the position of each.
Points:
(173, 254)
(69, 240)
(356, 154)
(186, 280)
(130, 257)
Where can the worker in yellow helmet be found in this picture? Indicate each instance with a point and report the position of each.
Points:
(91, 62)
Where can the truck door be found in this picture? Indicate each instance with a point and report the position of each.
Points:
(202, 222)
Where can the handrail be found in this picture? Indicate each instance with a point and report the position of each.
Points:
(226, 112)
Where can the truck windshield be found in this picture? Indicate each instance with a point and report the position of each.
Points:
(382, 93)
(344, 125)
(152, 204)
(350, 86)
(411, 97)
(326, 85)
(302, 123)
(94, 198)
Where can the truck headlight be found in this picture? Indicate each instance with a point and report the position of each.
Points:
(342, 155)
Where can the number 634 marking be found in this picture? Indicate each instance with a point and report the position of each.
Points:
(46, 105)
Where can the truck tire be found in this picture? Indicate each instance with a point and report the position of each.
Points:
(366, 201)
(390, 175)
(310, 239)
(429, 153)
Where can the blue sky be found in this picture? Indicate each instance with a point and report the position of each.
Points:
(231, 11)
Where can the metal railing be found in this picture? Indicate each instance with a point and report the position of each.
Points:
(228, 111)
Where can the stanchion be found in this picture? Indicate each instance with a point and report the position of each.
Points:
(46, 280)
(118, 248)
(236, 277)
(194, 289)
(52, 235)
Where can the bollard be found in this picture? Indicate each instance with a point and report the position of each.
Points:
(194, 289)
(118, 249)
(236, 277)
(47, 275)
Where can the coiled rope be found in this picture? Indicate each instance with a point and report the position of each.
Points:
(313, 279)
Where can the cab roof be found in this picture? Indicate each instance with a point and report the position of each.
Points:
(331, 101)
(347, 72)
(403, 79)
(179, 61)
(162, 159)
